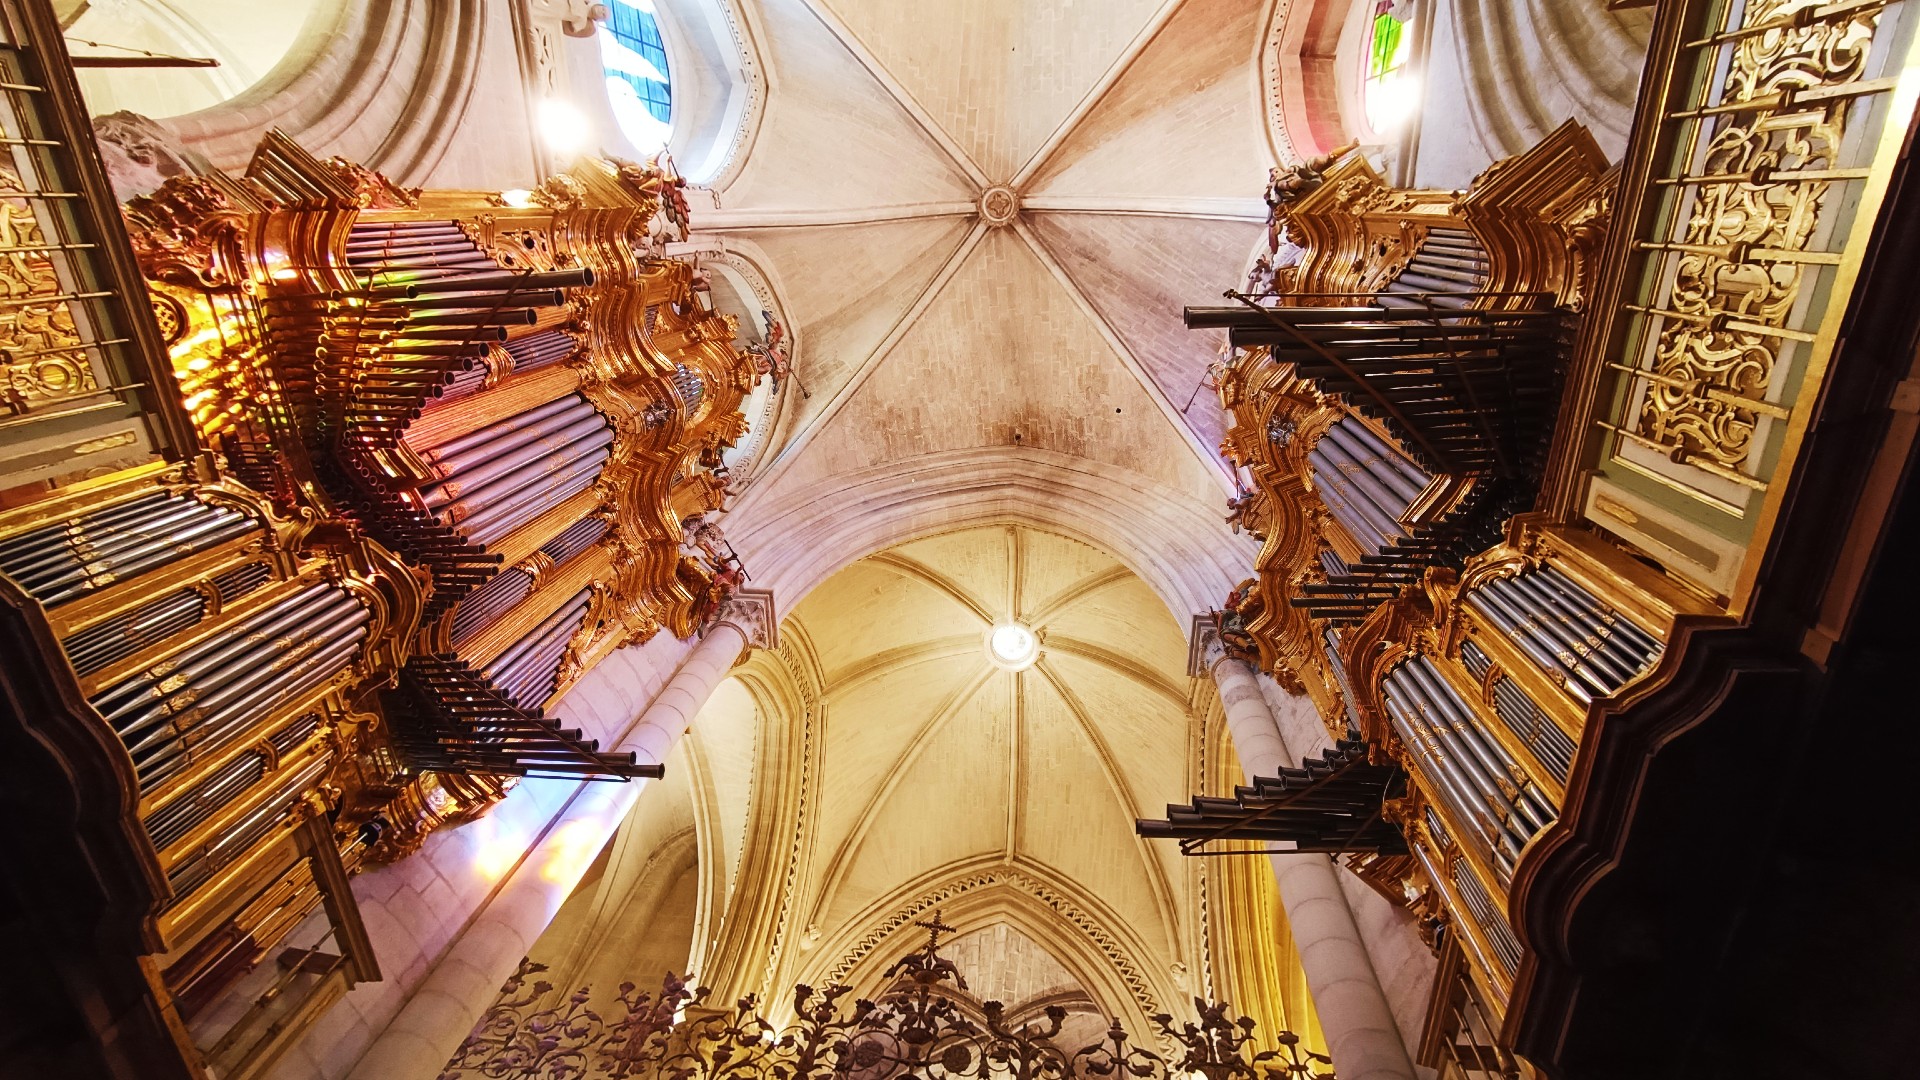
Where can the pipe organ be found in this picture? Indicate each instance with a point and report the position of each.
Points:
(436, 453)
(1475, 429)
(1394, 397)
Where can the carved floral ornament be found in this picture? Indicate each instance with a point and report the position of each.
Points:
(919, 1030)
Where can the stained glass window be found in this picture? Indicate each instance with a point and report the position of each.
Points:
(634, 58)
(1387, 91)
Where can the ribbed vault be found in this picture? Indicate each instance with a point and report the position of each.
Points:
(986, 218)
(952, 778)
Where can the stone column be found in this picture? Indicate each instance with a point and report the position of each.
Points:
(467, 979)
(1353, 1010)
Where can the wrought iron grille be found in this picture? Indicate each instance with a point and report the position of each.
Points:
(917, 1031)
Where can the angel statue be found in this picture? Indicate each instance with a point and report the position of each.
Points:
(726, 582)
(1243, 604)
(661, 180)
(773, 356)
(704, 535)
(1243, 514)
(1288, 183)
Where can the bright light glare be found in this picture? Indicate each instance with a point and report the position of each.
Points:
(519, 198)
(647, 133)
(564, 127)
(1391, 102)
(1012, 645)
(570, 851)
(496, 850)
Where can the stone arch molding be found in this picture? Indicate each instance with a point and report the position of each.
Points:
(395, 86)
(1298, 90)
(1088, 943)
(248, 43)
(718, 36)
(752, 937)
(382, 85)
(1174, 541)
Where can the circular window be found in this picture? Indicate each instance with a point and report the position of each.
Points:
(1387, 89)
(634, 58)
(1012, 646)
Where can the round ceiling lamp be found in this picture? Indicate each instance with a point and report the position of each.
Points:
(1012, 646)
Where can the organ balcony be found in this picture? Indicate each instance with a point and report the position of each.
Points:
(1513, 453)
(313, 526)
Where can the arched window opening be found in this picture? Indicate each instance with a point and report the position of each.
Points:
(1387, 90)
(639, 85)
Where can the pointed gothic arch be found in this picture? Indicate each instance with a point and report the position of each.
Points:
(1076, 929)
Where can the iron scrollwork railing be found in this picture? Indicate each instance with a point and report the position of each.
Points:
(918, 1030)
(1757, 175)
(83, 368)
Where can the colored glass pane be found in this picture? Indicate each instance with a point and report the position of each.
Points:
(634, 59)
(1386, 90)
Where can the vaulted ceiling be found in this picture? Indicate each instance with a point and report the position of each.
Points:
(942, 767)
(981, 220)
(984, 218)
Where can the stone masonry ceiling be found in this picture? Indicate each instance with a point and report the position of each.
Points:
(984, 220)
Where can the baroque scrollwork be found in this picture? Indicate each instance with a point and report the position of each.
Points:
(41, 356)
(1736, 280)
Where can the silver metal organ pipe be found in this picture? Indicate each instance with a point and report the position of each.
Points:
(1568, 650)
(1405, 478)
(1375, 498)
(1586, 629)
(1332, 489)
(1489, 766)
(532, 447)
(454, 454)
(483, 605)
(1496, 611)
(577, 538)
(1495, 840)
(492, 522)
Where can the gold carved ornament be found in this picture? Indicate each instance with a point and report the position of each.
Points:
(1736, 280)
(42, 358)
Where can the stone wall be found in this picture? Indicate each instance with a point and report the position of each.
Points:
(1502, 74)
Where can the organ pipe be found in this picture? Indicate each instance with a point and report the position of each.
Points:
(385, 398)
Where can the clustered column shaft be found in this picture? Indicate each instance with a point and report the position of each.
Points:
(439, 1015)
(1353, 1010)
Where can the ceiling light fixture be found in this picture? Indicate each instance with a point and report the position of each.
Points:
(1012, 646)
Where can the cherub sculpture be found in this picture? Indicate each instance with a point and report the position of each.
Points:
(1243, 515)
(773, 357)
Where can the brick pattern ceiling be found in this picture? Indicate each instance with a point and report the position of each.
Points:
(1130, 132)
